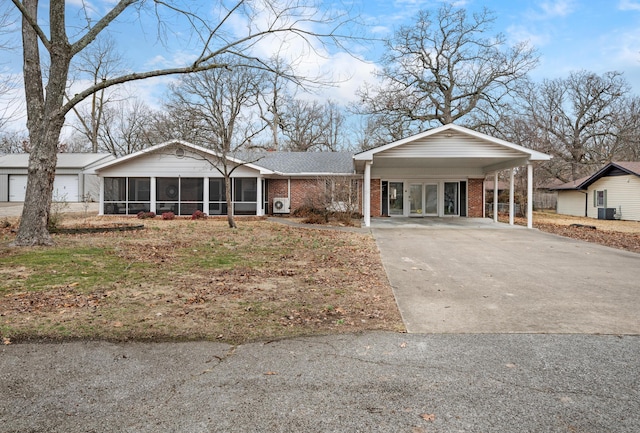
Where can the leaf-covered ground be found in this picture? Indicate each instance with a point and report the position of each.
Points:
(184, 280)
(623, 235)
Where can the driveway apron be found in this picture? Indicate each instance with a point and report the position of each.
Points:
(483, 280)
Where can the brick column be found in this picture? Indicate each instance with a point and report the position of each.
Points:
(476, 200)
(376, 197)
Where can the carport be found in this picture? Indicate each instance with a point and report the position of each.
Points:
(440, 173)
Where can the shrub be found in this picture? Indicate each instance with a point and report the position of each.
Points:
(168, 216)
(144, 215)
(316, 219)
(198, 215)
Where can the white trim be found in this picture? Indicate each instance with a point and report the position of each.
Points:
(366, 198)
(529, 196)
(495, 197)
(511, 196)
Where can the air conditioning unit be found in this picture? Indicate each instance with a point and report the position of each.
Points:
(281, 205)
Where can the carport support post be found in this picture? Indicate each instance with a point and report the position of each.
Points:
(529, 195)
(511, 197)
(366, 198)
(495, 197)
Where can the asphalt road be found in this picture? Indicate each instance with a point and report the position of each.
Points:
(373, 382)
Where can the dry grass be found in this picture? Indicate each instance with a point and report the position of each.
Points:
(185, 280)
(623, 235)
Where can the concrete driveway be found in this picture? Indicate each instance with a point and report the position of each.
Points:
(485, 277)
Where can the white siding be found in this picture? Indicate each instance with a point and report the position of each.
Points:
(457, 146)
(167, 164)
(571, 203)
(623, 194)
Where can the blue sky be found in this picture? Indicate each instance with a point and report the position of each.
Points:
(596, 35)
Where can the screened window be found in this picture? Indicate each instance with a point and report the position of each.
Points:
(182, 196)
(127, 195)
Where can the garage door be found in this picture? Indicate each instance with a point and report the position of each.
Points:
(65, 187)
(17, 187)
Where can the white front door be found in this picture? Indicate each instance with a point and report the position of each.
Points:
(431, 199)
(416, 200)
(452, 198)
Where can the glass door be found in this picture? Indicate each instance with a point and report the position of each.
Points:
(416, 200)
(396, 198)
(431, 199)
(451, 198)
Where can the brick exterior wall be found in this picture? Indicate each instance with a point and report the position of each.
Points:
(303, 192)
(475, 198)
(376, 197)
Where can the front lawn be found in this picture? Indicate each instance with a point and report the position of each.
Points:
(188, 280)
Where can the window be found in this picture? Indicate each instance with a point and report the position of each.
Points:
(127, 195)
(245, 196)
(343, 193)
(600, 198)
(182, 196)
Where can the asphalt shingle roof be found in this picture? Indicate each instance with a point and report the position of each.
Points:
(302, 162)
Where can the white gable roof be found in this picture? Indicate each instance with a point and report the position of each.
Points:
(178, 143)
(451, 141)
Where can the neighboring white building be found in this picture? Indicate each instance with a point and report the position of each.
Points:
(74, 178)
(612, 192)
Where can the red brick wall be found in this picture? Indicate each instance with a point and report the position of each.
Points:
(276, 188)
(303, 192)
(376, 197)
(476, 202)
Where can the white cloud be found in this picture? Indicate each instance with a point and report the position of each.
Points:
(521, 33)
(629, 5)
(557, 8)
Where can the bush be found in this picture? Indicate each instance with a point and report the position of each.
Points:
(316, 219)
(144, 215)
(168, 216)
(308, 212)
(198, 215)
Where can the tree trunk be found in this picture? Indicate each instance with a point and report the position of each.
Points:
(45, 120)
(227, 188)
(33, 229)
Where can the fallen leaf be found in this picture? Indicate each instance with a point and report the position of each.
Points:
(6, 341)
(430, 417)
(403, 344)
(270, 373)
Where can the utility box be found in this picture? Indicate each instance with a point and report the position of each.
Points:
(606, 213)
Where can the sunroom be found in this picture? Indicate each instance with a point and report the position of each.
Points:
(180, 178)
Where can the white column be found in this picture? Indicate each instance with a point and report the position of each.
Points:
(101, 199)
(529, 195)
(366, 198)
(152, 192)
(260, 201)
(511, 182)
(205, 195)
(495, 197)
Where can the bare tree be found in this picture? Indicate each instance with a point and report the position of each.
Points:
(312, 125)
(577, 120)
(444, 67)
(98, 62)
(222, 105)
(125, 127)
(224, 33)
(10, 104)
